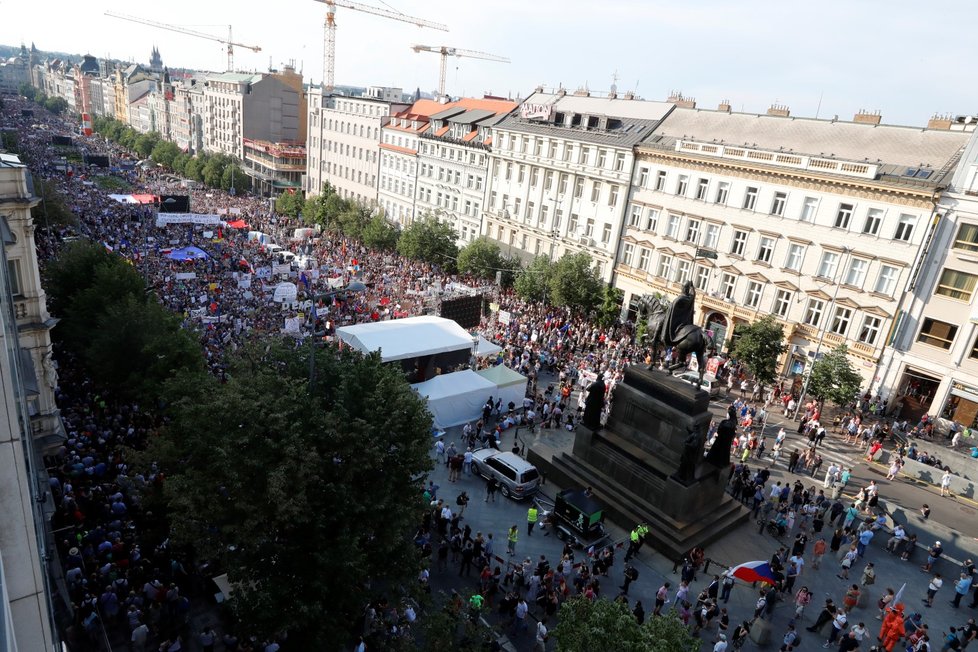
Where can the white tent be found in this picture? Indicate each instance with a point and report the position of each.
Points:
(457, 398)
(407, 338)
(510, 384)
(484, 347)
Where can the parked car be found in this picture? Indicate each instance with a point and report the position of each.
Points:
(709, 384)
(517, 478)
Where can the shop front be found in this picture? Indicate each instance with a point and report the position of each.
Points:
(961, 405)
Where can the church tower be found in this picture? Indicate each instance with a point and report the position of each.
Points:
(155, 61)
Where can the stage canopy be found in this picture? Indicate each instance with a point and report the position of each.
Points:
(510, 384)
(484, 347)
(407, 338)
(457, 398)
(238, 224)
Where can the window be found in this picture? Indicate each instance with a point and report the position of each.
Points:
(596, 191)
(544, 214)
(844, 216)
(712, 236)
(682, 271)
(693, 231)
(856, 275)
(777, 206)
(886, 281)
(578, 188)
(828, 265)
(702, 277)
(723, 189)
(701, 187)
(765, 250)
(535, 177)
(643, 177)
(572, 223)
(558, 216)
(974, 350)
(813, 313)
(681, 185)
(673, 231)
(13, 271)
(651, 219)
(613, 196)
(728, 282)
(808, 207)
(537, 144)
(552, 149)
(567, 152)
(606, 234)
(643, 258)
(665, 265)
(635, 216)
(619, 162)
(753, 297)
(739, 243)
(589, 227)
(957, 285)
(796, 254)
(602, 158)
(874, 217)
(583, 155)
(905, 227)
(628, 251)
(750, 198)
(509, 171)
(521, 174)
(562, 184)
(660, 180)
(782, 303)
(517, 205)
(870, 330)
(937, 333)
(967, 237)
(840, 322)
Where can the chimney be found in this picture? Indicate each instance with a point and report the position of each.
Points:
(867, 117)
(780, 110)
(724, 106)
(682, 102)
(582, 92)
(629, 95)
(941, 122)
(561, 92)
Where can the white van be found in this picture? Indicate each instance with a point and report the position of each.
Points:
(709, 384)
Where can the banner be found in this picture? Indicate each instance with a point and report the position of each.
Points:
(244, 281)
(186, 276)
(263, 272)
(282, 269)
(164, 219)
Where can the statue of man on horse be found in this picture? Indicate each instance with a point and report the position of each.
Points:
(671, 324)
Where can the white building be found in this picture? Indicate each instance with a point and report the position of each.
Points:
(343, 145)
(933, 364)
(453, 162)
(559, 174)
(817, 222)
(398, 173)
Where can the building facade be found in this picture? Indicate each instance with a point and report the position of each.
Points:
(274, 167)
(15, 71)
(398, 173)
(932, 367)
(344, 144)
(453, 162)
(817, 222)
(559, 173)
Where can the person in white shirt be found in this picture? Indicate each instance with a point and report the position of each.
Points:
(831, 475)
(721, 645)
(946, 484)
(542, 636)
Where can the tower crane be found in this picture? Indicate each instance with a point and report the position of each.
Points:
(229, 41)
(446, 51)
(329, 43)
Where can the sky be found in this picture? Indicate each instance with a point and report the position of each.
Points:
(827, 58)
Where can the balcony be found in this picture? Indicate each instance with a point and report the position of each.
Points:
(714, 303)
(864, 350)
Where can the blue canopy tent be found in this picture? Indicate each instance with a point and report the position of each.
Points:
(188, 253)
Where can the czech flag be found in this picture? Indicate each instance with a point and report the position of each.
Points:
(753, 571)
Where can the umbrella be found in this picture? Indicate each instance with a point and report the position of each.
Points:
(754, 571)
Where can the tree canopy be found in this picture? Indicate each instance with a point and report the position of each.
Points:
(759, 346)
(296, 487)
(602, 624)
(833, 378)
(290, 204)
(480, 257)
(431, 241)
(533, 282)
(380, 234)
(575, 283)
(610, 310)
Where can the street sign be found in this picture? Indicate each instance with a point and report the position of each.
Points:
(706, 253)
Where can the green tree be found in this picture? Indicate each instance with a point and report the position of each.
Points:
(27, 91)
(833, 378)
(431, 241)
(179, 163)
(480, 257)
(285, 482)
(213, 170)
(610, 310)
(289, 203)
(575, 283)
(759, 346)
(585, 625)
(191, 169)
(165, 152)
(145, 143)
(380, 234)
(533, 282)
(352, 221)
(56, 105)
(52, 210)
(234, 175)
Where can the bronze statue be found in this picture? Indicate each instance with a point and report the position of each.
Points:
(671, 324)
(594, 403)
(691, 458)
(719, 454)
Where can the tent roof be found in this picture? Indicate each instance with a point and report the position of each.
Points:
(455, 384)
(501, 375)
(407, 338)
(484, 347)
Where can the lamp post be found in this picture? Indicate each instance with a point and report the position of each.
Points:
(354, 286)
(821, 337)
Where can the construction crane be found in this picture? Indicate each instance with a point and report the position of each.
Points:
(329, 44)
(229, 41)
(446, 51)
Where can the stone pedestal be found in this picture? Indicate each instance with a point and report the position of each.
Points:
(633, 463)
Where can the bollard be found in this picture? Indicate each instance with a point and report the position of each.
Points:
(760, 631)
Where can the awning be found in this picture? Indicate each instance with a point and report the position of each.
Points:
(484, 347)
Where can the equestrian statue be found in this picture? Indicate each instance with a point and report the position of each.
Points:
(671, 324)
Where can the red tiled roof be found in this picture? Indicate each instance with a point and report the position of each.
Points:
(395, 148)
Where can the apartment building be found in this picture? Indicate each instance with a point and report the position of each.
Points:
(398, 173)
(344, 142)
(932, 367)
(559, 173)
(453, 162)
(817, 222)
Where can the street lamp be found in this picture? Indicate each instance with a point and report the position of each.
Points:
(821, 337)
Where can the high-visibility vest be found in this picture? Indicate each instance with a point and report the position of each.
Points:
(634, 536)
(512, 535)
(643, 530)
(531, 515)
